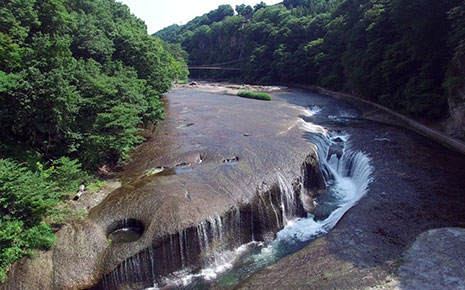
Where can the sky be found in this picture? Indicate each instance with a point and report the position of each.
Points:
(158, 14)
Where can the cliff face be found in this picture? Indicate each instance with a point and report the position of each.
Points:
(455, 123)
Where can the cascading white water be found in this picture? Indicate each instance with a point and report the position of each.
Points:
(202, 232)
(347, 174)
(288, 199)
(347, 179)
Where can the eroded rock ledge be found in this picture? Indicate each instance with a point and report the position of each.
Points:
(262, 142)
(259, 219)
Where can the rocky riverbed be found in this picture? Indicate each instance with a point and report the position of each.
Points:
(214, 152)
(220, 164)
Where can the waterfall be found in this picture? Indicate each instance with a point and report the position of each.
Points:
(347, 178)
(347, 174)
(210, 247)
(254, 235)
(288, 199)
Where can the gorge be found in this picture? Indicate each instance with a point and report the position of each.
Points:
(272, 183)
(318, 144)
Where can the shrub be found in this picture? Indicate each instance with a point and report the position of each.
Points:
(24, 195)
(26, 198)
(254, 95)
(40, 237)
(11, 248)
(16, 241)
(67, 175)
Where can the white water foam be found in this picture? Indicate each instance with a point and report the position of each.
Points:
(222, 262)
(309, 112)
(350, 185)
(344, 114)
(347, 177)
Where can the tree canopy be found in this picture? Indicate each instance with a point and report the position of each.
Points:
(404, 54)
(78, 80)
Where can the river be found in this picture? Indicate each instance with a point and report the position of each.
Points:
(383, 186)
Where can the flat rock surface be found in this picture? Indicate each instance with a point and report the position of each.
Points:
(418, 186)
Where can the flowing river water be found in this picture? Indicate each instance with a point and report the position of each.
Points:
(355, 156)
(347, 174)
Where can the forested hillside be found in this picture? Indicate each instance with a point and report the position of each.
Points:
(78, 80)
(406, 54)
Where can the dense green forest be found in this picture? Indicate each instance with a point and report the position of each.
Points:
(78, 81)
(405, 54)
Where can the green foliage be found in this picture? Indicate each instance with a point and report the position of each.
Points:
(378, 49)
(455, 79)
(244, 10)
(66, 66)
(179, 68)
(8, 81)
(67, 174)
(259, 6)
(117, 132)
(78, 80)
(254, 95)
(220, 13)
(16, 241)
(40, 237)
(25, 195)
(11, 242)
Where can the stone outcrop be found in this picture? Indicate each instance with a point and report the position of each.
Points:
(436, 260)
(74, 263)
(177, 180)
